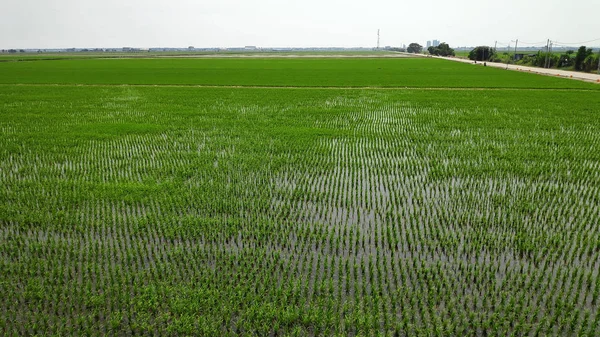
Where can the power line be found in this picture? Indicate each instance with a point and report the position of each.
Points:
(532, 42)
(542, 44)
(579, 43)
(563, 46)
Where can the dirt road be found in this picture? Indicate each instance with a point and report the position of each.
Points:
(588, 77)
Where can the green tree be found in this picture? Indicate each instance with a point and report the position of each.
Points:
(443, 49)
(414, 48)
(481, 53)
(590, 63)
(582, 54)
(565, 60)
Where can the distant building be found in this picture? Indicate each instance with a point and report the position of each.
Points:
(428, 44)
(436, 43)
(250, 48)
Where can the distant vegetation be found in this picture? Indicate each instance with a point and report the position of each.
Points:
(583, 60)
(443, 49)
(482, 53)
(414, 48)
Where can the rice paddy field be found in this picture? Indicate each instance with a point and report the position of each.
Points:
(297, 197)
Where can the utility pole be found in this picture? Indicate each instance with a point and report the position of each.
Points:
(377, 39)
(547, 53)
(516, 43)
(550, 55)
(492, 52)
(508, 58)
(598, 61)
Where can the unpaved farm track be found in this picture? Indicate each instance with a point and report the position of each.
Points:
(587, 77)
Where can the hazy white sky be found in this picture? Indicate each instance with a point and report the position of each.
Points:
(301, 23)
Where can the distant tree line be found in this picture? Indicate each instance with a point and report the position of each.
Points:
(443, 49)
(12, 51)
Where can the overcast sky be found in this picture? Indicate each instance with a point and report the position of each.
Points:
(301, 23)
